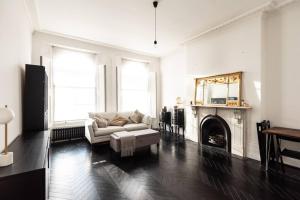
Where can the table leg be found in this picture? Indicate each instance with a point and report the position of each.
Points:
(267, 154)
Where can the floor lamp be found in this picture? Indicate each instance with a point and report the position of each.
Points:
(6, 116)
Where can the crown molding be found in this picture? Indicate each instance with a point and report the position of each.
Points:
(277, 4)
(264, 8)
(93, 42)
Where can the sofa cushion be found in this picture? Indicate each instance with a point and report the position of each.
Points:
(101, 122)
(108, 130)
(126, 115)
(105, 115)
(136, 117)
(118, 121)
(108, 115)
(135, 127)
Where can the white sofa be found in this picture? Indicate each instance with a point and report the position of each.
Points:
(103, 134)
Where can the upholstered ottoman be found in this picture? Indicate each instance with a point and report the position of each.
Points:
(143, 138)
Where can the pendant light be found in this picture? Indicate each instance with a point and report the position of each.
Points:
(155, 4)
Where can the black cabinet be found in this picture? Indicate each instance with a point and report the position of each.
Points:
(178, 121)
(165, 120)
(35, 99)
(179, 117)
(28, 176)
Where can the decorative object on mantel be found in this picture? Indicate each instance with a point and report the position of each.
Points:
(179, 102)
(6, 116)
(219, 90)
(244, 104)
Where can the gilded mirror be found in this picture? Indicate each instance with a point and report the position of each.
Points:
(220, 90)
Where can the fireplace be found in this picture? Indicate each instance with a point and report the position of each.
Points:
(215, 132)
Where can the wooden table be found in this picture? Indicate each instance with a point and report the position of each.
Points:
(282, 133)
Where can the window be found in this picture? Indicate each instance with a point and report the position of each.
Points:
(75, 77)
(134, 87)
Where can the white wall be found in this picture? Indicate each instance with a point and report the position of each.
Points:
(42, 43)
(172, 77)
(236, 47)
(265, 46)
(282, 72)
(15, 52)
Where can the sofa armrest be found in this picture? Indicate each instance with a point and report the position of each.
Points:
(89, 131)
(147, 120)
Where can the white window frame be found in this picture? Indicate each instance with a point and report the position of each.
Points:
(152, 86)
(100, 90)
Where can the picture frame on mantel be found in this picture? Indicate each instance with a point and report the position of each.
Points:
(220, 90)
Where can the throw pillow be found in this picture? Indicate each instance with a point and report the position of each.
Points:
(126, 116)
(94, 125)
(118, 121)
(101, 122)
(136, 117)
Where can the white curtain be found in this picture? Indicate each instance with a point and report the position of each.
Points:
(153, 91)
(100, 84)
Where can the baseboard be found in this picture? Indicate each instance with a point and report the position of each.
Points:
(254, 156)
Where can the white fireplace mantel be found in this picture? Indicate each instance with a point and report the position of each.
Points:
(236, 118)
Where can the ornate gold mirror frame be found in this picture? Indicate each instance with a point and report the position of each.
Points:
(229, 86)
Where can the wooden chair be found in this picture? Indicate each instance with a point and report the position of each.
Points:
(261, 126)
(274, 155)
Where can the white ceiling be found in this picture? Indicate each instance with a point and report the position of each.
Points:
(130, 23)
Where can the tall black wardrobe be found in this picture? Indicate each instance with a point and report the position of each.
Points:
(35, 99)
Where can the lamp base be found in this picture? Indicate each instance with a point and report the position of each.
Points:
(6, 159)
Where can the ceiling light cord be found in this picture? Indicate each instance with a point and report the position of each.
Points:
(155, 23)
(155, 3)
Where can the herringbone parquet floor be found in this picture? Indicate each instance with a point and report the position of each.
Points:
(178, 171)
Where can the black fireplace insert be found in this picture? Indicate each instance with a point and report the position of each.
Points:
(215, 132)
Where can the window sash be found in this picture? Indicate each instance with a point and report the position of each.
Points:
(133, 87)
(96, 86)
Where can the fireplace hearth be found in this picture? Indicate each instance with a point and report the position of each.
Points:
(215, 132)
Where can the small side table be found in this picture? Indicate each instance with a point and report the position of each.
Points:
(282, 134)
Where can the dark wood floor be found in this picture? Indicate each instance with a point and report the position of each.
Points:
(178, 171)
